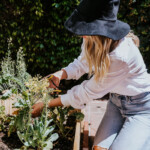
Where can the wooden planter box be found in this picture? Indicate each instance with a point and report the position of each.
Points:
(8, 106)
(76, 145)
(9, 111)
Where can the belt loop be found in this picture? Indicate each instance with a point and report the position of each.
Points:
(128, 98)
(110, 96)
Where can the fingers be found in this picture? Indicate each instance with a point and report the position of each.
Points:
(37, 109)
(35, 113)
(33, 106)
(51, 84)
(54, 82)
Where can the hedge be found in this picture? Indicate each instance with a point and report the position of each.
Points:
(136, 13)
(38, 28)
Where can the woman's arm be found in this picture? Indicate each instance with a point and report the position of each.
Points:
(38, 107)
(79, 95)
(73, 71)
(55, 102)
(78, 67)
(89, 90)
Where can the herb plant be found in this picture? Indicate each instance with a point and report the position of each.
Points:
(27, 90)
(15, 83)
(2, 118)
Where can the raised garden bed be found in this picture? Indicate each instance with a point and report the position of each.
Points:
(54, 129)
(77, 138)
(72, 142)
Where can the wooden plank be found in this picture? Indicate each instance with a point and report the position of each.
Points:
(76, 145)
(8, 104)
(86, 136)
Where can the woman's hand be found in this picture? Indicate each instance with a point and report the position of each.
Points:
(37, 109)
(56, 77)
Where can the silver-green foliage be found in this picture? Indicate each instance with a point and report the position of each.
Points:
(13, 74)
(16, 82)
(2, 118)
(38, 132)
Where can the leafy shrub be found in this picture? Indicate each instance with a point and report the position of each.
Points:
(38, 27)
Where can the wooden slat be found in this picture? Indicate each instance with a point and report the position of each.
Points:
(76, 145)
(86, 136)
(8, 104)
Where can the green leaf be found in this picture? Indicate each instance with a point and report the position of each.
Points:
(49, 145)
(41, 46)
(48, 131)
(26, 144)
(6, 95)
(18, 105)
(48, 122)
(54, 137)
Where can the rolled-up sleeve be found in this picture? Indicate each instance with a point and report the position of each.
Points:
(89, 90)
(77, 68)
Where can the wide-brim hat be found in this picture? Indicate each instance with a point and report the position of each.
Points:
(97, 17)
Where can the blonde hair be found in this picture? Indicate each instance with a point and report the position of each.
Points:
(97, 49)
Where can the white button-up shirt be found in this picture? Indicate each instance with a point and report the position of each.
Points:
(127, 76)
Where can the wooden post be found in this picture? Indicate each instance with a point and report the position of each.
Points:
(76, 145)
(8, 104)
(86, 136)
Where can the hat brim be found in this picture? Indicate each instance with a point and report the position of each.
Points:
(115, 30)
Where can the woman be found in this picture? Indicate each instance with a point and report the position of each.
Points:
(115, 65)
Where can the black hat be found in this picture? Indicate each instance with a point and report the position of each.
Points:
(97, 17)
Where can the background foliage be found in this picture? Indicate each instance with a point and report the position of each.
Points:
(136, 13)
(38, 27)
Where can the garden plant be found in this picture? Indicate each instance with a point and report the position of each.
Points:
(37, 133)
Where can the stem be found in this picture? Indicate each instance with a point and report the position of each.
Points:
(58, 125)
(29, 120)
(29, 117)
(61, 121)
(45, 122)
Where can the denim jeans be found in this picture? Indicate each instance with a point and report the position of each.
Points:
(126, 123)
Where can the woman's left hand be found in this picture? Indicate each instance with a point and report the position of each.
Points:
(37, 109)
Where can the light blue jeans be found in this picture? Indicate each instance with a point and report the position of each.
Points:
(126, 123)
